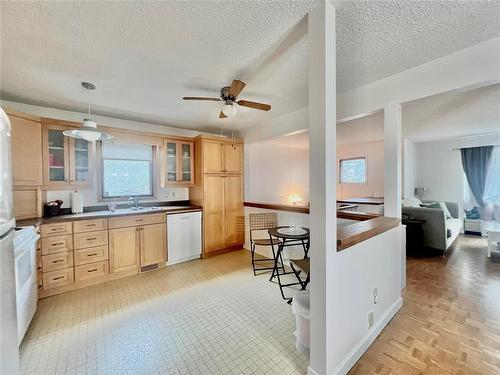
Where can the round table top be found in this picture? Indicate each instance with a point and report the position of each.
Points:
(274, 232)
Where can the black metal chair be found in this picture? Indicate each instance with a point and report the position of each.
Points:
(263, 222)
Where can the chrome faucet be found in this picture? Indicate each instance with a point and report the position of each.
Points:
(133, 202)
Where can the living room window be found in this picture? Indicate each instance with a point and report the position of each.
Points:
(352, 170)
(127, 170)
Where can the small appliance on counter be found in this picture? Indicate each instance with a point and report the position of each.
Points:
(52, 208)
(76, 202)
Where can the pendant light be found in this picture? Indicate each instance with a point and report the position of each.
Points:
(88, 131)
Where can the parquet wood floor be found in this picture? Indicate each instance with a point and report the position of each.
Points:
(450, 321)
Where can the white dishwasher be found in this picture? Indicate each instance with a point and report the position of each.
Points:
(183, 237)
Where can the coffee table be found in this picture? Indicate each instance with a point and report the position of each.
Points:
(492, 229)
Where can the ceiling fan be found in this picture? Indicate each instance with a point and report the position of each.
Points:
(228, 95)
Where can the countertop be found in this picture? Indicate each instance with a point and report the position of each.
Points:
(362, 200)
(107, 214)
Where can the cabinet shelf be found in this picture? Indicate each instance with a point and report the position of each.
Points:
(56, 148)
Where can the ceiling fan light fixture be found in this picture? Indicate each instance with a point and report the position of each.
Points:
(228, 108)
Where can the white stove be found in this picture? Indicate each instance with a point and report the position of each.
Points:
(25, 270)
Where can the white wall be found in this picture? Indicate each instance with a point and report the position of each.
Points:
(439, 167)
(357, 271)
(374, 152)
(409, 168)
(275, 172)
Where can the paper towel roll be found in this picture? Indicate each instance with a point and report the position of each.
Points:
(76, 202)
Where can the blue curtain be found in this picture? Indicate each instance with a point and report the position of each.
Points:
(475, 163)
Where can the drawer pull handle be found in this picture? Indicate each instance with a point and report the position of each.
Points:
(92, 255)
(54, 229)
(91, 239)
(58, 278)
(58, 260)
(138, 220)
(90, 225)
(93, 270)
(57, 244)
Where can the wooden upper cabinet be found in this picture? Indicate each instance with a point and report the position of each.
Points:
(66, 161)
(233, 157)
(179, 163)
(26, 146)
(213, 156)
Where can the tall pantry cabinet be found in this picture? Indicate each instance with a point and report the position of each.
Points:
(219, 190)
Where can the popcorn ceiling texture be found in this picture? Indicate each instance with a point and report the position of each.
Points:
(144, 57)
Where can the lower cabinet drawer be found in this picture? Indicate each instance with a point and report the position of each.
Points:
(91, 271)
(56, 279)
(90, 239)
(91, 255)
(58, 244)
(58, 261)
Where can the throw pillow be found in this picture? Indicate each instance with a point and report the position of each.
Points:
(411, 202)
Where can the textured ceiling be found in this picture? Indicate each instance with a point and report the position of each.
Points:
(144, 56)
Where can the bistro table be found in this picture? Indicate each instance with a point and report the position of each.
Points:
(284, 233)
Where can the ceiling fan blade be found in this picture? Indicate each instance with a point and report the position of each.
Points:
(201, 98)
(222, 115)
(255, 105)
(236, 88)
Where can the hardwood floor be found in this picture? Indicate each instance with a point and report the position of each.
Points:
(450, 321)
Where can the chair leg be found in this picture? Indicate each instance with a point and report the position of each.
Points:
(253, 258)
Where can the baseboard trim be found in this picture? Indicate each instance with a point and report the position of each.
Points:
(310, 371)
(356, 353)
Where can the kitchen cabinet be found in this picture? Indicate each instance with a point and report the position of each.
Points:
(219, 190)
(233, 210)
(26, 148)
(213, 213)
(67, 162)
(179, 163)
(213, 156)
(153, 242)
(124, 250)
(221, 156)
(135, 246)
(233, 157)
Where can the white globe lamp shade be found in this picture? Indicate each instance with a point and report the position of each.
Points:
(229, 109)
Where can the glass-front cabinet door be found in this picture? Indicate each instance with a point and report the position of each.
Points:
(79, 161)
(186, 162)
(171, 150)
(67, 161)
(56, 148)
(179, 161)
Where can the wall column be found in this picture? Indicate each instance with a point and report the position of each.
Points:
(322, 182)
(392, 158)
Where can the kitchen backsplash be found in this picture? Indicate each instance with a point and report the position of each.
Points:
(90, 196)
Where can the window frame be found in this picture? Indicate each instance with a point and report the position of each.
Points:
(365, 158)
(152, 173)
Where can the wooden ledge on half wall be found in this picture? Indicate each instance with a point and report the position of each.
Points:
(369, 225)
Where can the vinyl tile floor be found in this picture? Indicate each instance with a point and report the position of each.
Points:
(207, 316)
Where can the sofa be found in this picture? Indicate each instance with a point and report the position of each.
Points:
(439, 232)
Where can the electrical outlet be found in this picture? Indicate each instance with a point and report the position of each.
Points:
(375, 296)
(370, 319)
